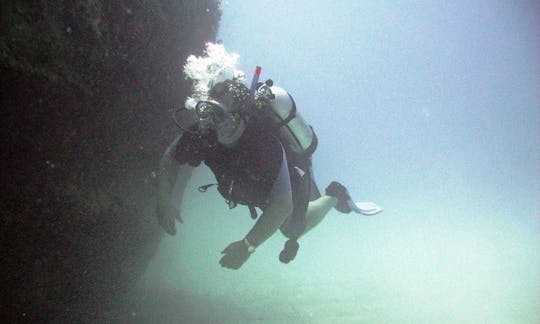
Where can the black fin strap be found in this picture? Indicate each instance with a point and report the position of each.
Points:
(253, 212)
(205, 187)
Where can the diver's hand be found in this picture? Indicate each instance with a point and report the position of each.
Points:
(235, 255)
(167, 216)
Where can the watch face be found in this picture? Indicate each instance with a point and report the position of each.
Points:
(250, 247)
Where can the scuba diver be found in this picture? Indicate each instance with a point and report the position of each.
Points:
(259, 149)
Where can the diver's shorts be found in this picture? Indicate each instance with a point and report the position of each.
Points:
(304, 190)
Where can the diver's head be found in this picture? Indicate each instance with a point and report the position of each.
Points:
(231, 93)
(224, 111)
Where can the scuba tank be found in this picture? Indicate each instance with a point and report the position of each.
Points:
(296, 135)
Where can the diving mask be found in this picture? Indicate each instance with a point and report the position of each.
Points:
(210, 114)
(214, 115)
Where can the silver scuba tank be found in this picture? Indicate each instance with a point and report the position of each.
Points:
(294, 132)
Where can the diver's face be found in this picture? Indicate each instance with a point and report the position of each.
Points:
(214, 114)
(232, 127)
(231, 98)
(230, 130)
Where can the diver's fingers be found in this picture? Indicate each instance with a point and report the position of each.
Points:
(168, 225)
(179, 218)
(166, 221)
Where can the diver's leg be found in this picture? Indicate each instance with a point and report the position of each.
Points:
(317, 210)
(293, 229)
(336, 197)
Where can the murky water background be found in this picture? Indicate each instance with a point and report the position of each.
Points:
(433, 111)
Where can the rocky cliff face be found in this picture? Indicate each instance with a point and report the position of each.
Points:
(88, 89)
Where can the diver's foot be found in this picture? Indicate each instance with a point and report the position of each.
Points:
(337, 190)
(289, 251)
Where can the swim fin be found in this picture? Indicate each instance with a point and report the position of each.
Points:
(365, 208)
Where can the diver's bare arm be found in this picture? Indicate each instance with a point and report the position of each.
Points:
(170, 172)
(271, 219)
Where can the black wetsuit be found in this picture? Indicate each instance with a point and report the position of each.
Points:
(246, 172)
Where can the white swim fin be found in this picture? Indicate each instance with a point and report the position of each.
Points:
(365, 208)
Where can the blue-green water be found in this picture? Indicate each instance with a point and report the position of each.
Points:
(430, 109)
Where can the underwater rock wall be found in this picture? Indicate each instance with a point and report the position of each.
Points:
(88, 90)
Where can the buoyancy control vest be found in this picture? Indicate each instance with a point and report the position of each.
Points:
(295, 135)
